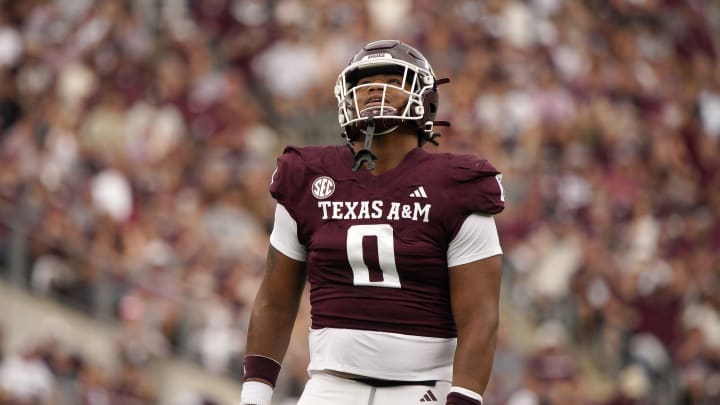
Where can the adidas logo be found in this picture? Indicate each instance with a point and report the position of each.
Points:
(429, 396)
(419, 193)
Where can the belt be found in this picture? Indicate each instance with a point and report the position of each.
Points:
(376, 382)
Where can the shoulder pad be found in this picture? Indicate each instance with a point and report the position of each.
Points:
(296, 167)
(288, 172)
(477, 184)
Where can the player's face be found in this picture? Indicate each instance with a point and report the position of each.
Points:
(379, 90)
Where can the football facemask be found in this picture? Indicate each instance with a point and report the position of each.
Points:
(380, 113)
(353, 113)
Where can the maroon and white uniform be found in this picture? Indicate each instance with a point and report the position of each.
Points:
(378, 250)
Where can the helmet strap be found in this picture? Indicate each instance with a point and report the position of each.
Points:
(365, 155)
(383, 132)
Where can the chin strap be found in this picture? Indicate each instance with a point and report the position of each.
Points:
(364, 155)
(430, 136)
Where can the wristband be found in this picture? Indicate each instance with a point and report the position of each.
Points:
(255, 393)
(463, 396)
(262, 367)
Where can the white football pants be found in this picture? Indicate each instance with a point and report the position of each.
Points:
(326, 389)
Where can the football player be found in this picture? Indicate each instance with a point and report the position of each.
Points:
(398, 245)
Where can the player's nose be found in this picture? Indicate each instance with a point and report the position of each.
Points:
(375, 86)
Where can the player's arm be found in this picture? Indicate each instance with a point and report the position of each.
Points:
(272, 319)
(474, 293)
(276, 306)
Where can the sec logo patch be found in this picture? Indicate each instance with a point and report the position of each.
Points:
(323, 187)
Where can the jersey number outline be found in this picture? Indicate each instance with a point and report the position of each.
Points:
(386, 255)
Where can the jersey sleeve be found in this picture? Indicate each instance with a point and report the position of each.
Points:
(477, 186)
(284, 235)
(477, 239)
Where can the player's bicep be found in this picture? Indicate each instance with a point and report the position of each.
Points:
(475, 291)
(282, 283)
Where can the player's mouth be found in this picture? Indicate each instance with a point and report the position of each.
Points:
(375, 101)
(377, 110)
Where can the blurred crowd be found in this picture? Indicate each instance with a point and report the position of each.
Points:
(46, 372)
(137, 139)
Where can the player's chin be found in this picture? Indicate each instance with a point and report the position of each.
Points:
(381, 120)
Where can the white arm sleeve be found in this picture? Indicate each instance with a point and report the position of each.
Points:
(284, 235)
(477, 239)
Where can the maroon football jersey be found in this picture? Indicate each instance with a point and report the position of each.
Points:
(377, 245)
